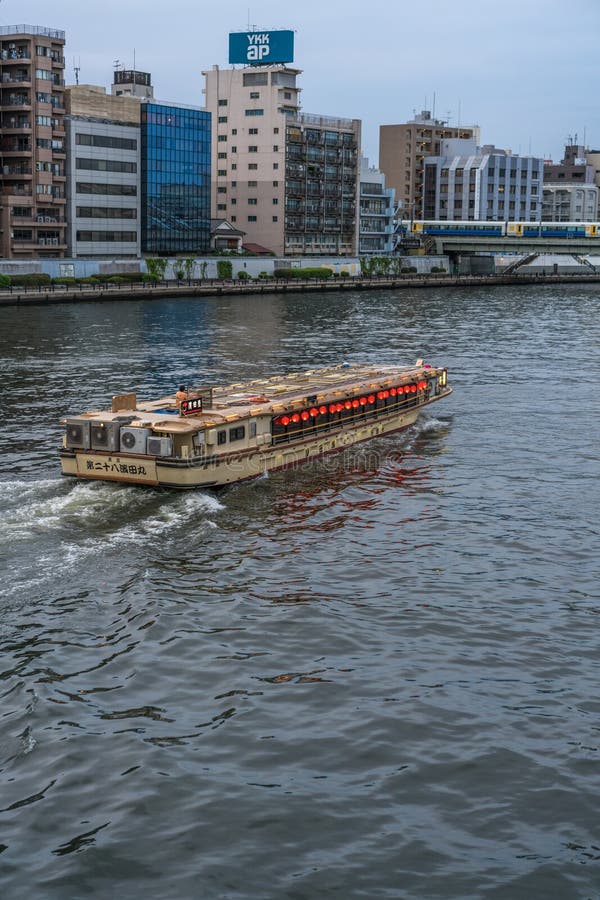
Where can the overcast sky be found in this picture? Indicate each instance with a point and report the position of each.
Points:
(525, 71)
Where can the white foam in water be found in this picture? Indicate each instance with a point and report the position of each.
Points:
(102, 516)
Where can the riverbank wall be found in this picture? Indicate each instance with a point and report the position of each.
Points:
(48, 294)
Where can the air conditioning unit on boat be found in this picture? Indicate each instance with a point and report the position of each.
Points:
(78, 434)
(159, 446)
(133, 440)
(105, 435)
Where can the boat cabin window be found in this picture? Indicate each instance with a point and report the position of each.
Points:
(221, 437)
(237, 434)
(252, 429)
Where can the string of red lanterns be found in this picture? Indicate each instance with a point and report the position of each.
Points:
(355, 403)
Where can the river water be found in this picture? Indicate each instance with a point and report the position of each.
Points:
(374, 677)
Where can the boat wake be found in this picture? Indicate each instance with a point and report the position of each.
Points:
(50, 527)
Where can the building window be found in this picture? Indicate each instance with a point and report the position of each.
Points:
(253, 166)
(222, 206)
(253, 131)
(255, 112)
(105, 165)
(221, 172)
(222, 102)
(275, 165)
(254, 95)
(233, 201)
(106, 212)
(107, 237)
(234, 165)
(221, 190)
(101, 140)
(234, 149)
(275, 201)
(255, 79)
(252, 218)
(252, 201)
(275, 184)
(252, 183)
(275, 148)
(221, 156)
(253, 148)
(84, 187)
(276, 131)
(222, 119)
(234, 218)
(274, 218)
(234, 130)
(221, 138)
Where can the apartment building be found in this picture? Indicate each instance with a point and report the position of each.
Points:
(32, 142)
(377, 210)
(402, 152)
(468, 182)
(564, 202)
(103, 173)
(288, 179)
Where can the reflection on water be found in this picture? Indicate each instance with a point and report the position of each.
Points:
(381, 663)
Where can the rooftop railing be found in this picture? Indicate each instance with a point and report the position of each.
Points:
(37, 30)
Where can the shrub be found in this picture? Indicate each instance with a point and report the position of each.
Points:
(149, 279)
(157, 266)
(224, 269)
(64, 279)
(408, 270)
(242, 275)
(90, 279)
(344, 274)
(4, 280)
(32, 278)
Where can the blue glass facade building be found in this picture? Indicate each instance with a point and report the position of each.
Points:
(175, 150)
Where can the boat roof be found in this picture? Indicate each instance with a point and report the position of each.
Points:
(274, 395)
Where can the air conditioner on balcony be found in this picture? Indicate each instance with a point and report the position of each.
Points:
(159, 446)
(133, 440)
(105, 435)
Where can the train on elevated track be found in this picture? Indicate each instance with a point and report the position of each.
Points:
(488, 229)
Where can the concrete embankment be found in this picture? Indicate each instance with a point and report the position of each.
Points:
(96, 293)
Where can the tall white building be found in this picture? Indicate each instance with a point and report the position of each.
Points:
(289, 180)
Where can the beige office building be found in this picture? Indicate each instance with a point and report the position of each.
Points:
(32, 142)
(289, 180)
(402, 151)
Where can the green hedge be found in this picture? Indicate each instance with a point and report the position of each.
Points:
(224, 269)
(314, 272)
(4, 280)
(33, 278)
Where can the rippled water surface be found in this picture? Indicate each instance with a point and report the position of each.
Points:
(374, 677)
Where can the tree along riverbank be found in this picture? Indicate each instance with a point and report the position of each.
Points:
(44, 294)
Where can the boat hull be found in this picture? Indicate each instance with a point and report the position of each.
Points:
(220, 470)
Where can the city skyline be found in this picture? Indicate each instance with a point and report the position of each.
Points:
(512, 74)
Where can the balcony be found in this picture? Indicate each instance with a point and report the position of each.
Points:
(16, 77)
(12, 123)
(16, 171)
(8, 148)
(17, 191)
(11, 101)
(7, 57)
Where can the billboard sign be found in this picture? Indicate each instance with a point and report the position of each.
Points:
(260, 48)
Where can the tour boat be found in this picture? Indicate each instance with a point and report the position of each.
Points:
(214, 436)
